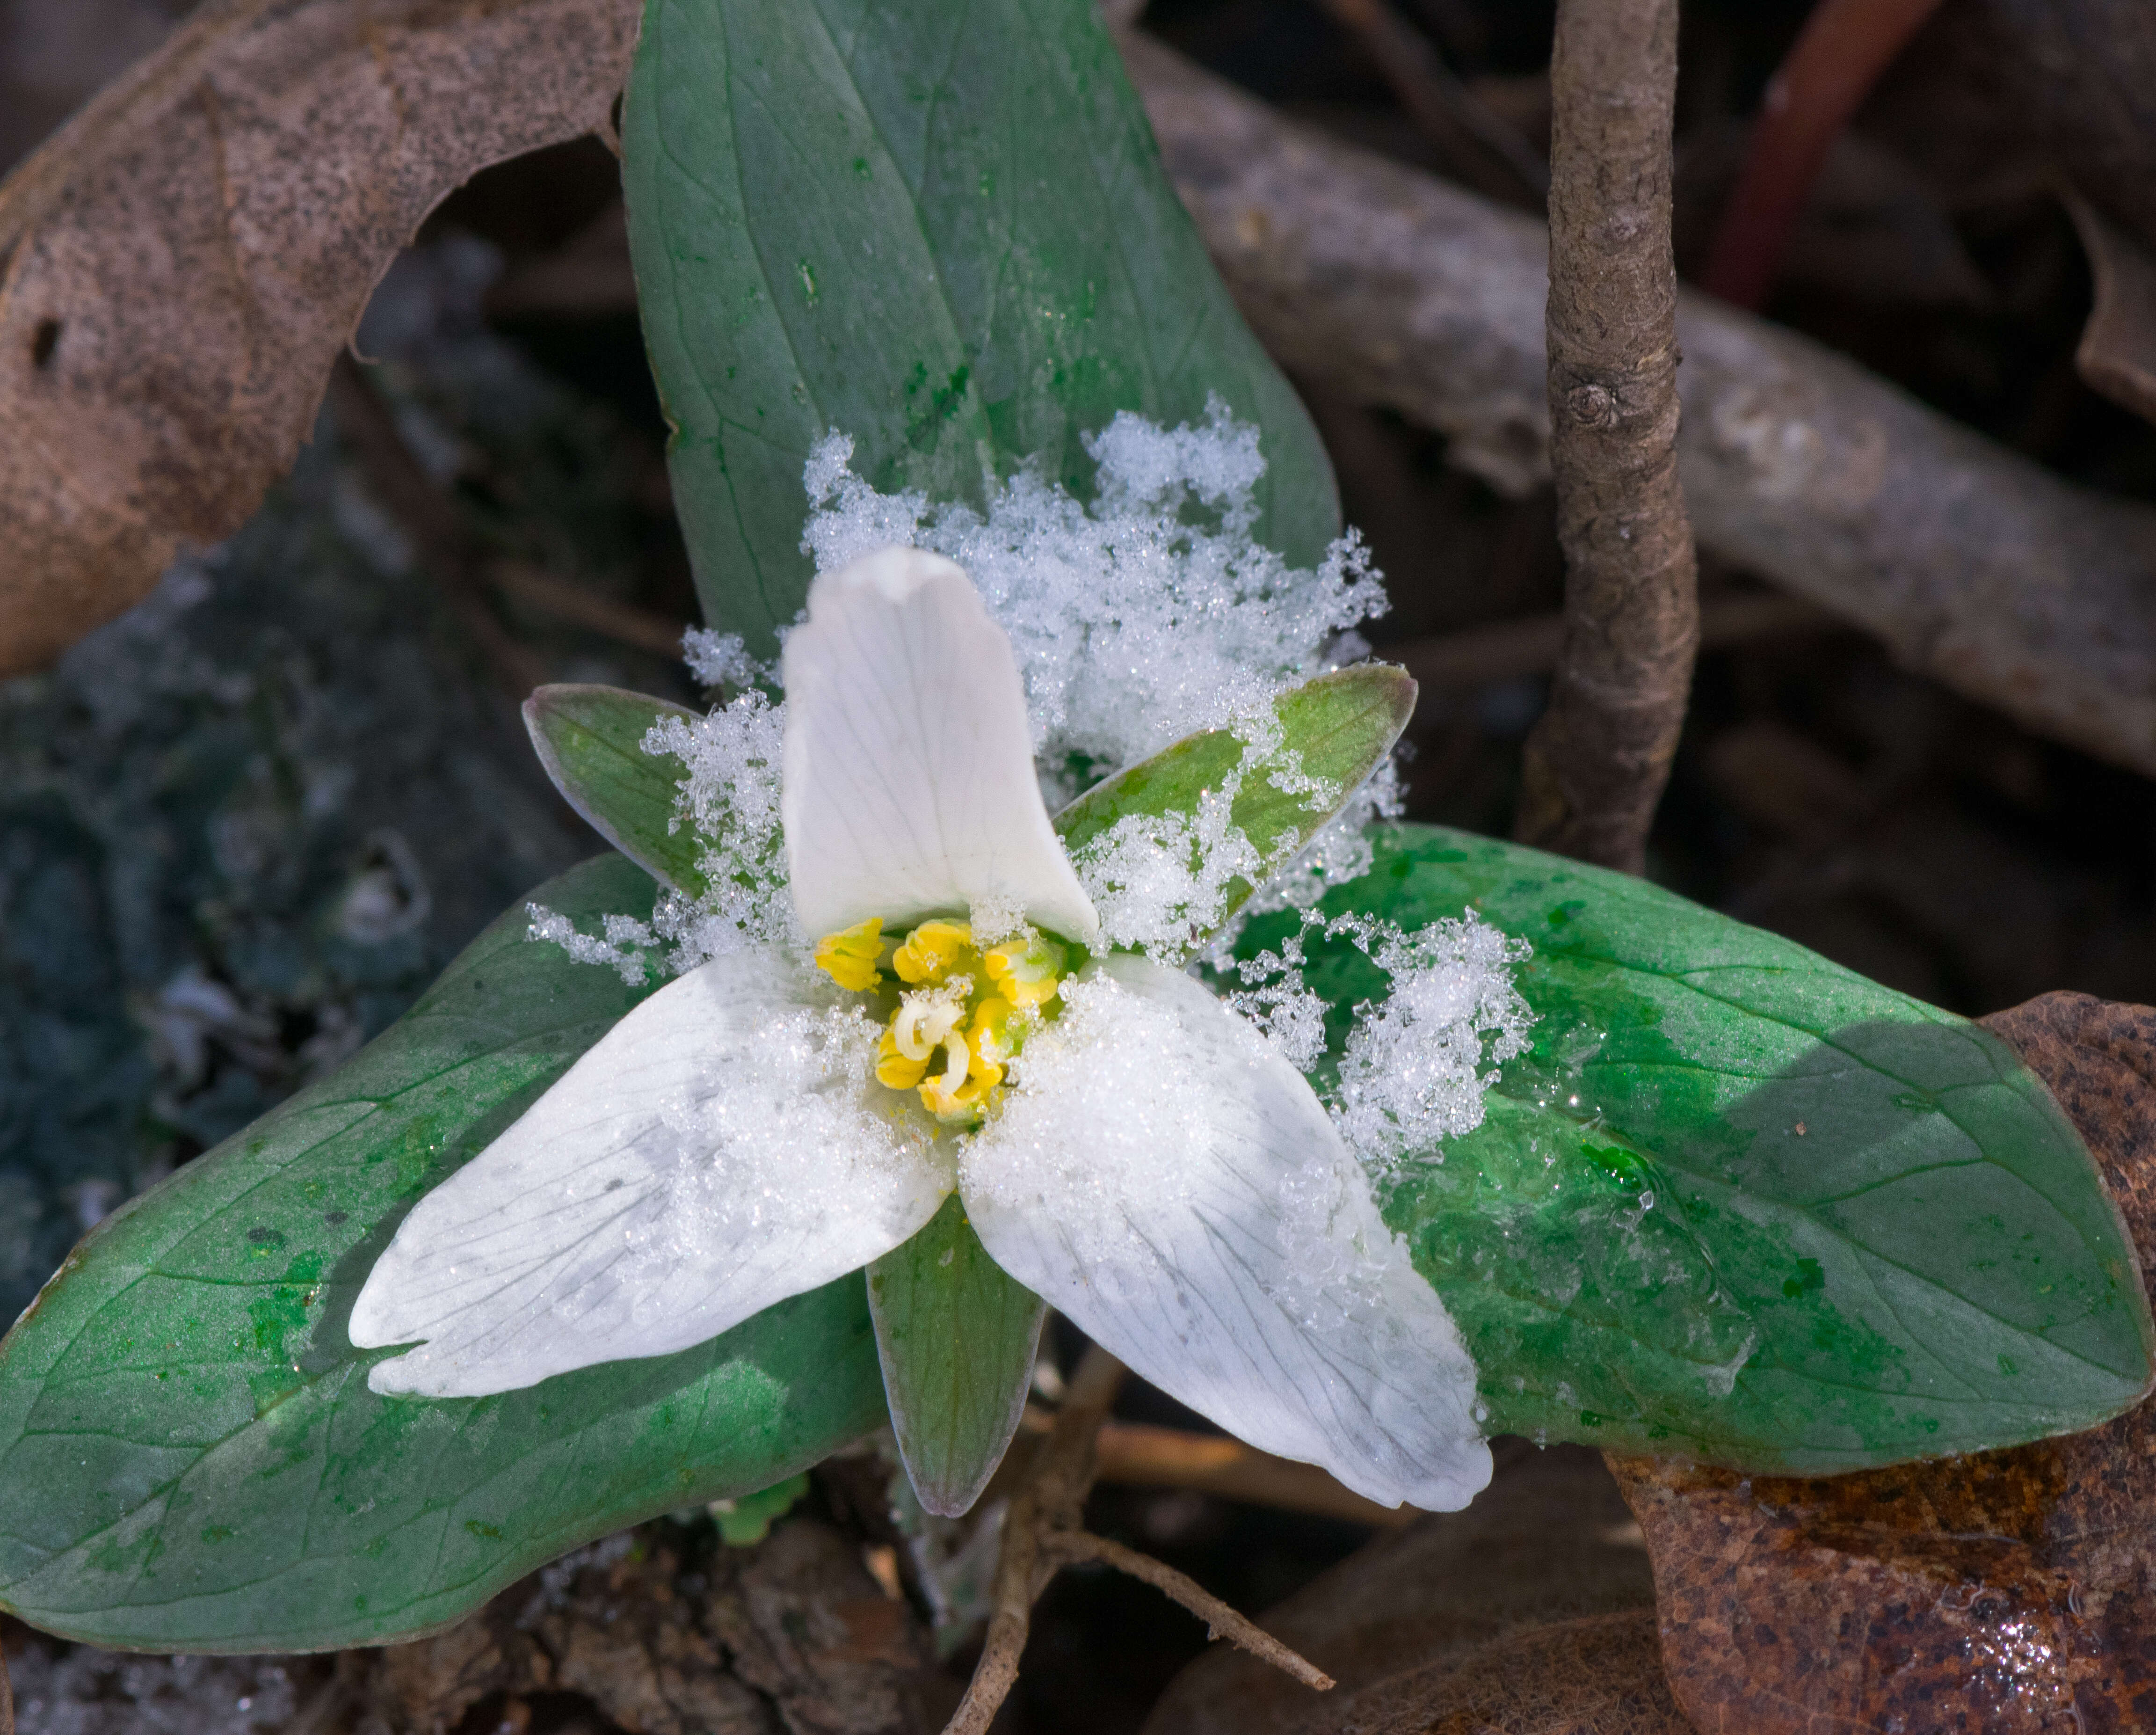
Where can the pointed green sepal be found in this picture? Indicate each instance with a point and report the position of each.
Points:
(1337, 728)
(590, 741)
(958, 1340)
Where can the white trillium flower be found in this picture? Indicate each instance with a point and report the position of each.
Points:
(1125, 1146)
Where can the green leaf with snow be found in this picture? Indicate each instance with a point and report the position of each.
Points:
(1739, 1202)
(590, 741)
(941, 229)
(190, 1458)
(1332, 734)
(958, 1340)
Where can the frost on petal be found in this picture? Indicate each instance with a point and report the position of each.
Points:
(731, 800)
(908, 784)
(1173, 1184)
(1149, 614)
(723, 1147)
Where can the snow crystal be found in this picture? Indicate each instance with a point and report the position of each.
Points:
(1151, 614)
(722, 659)
(1409, 1075)
(774, 1086)
(1281, 1006)
(621, 947)
(1160, 883)
(1135, 622)
(731, 800)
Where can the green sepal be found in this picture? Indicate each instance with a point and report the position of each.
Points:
(190, 1459)
(958, 1340)
(1338, 728)
(590, 738)
(941, 230)
(1873, 1234)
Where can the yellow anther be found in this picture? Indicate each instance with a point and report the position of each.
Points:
(849, 956)
(900, 1072)
(1026, 970)
(953, 1034)
(933, 950)
(961, 1089)
(994, 1033)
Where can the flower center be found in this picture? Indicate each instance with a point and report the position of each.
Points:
(962, 1010)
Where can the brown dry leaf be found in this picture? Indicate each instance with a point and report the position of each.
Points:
(2005, 1592)
(1596, 1676)
(1550, 1540)
(180, 265)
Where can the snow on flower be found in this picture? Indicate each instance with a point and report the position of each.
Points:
(903, 987)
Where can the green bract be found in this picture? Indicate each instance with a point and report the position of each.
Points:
(1739, 1202)
(942, 230)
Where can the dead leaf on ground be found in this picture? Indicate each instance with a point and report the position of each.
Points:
(1549, 1541)
(2006, 1593)
(180, 265)
(1596, 1677)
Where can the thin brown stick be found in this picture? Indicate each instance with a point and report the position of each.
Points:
(1973, 565)
(403, 489)
(1221, 1622)
(564, 600)
(1042, 1532)
(1050, 1499)
(1477, 657)
(1477, 146)
(1597, 760)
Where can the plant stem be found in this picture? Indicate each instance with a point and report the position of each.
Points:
(1597, 762)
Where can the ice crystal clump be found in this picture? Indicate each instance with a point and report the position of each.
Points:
(729, 799)
(722, 659)
(1136, 619)
(1410, 1075)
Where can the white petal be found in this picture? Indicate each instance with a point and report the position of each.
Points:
(721, 1148)
(909, 784)
(1173, 1184)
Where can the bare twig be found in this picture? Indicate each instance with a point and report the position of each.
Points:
(1042, 1532)
(1972, 564)
(1479, 147)
(1221, 1622)
(404, 490)
(1479, 656)
(1597, 761)
(1138, 1455)
(564, 600)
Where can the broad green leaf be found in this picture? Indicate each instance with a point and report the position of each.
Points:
(940, 228)
(189, 1456)
(1739, 1202)
(1337, 728)
(590, 741)
(958, 1340)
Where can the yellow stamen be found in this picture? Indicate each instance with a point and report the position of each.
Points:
(849, 957)
(1026, 970)
(977, 1007)
(931, 950)
(900, 1072)
(992, 1034)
